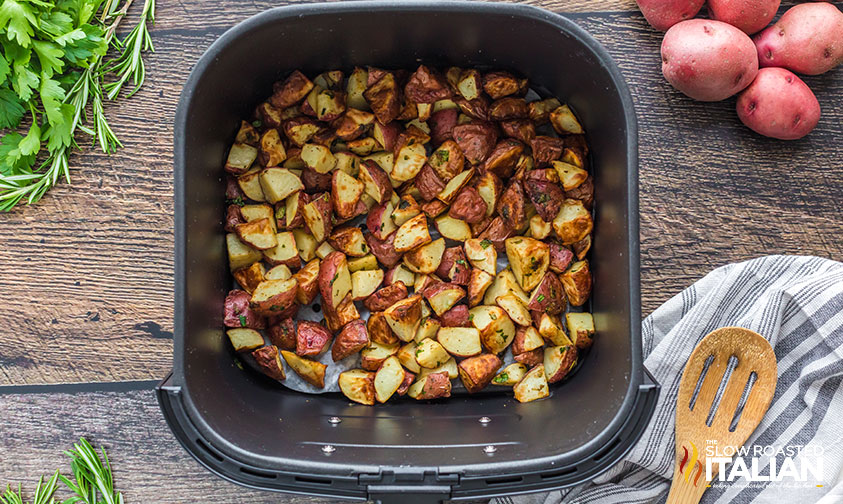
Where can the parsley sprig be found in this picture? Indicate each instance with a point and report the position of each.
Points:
(53, 67)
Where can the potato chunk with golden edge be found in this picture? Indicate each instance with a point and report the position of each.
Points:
(310, 371)
(244, 339)
(355, 87)
(407, 356)
(284, 252)
(558, 362)
(383, 98)
(375, 181)
(379, 331)
(539, 229)
(280, 272)
(570, 176)
(426, 258)
(533, 386)
(478, 282)
(577, 283)
(364, 283)
(455, 185)
(408, 161)
(373, 355)
(272, 297)
(500, 84)
(432, 386)
(351, 339)
(334, 278)
(367, 262)
(240, 255)
(427, 329)
(481, 254)
(345, 193)
(510, 375)
(257, 234)
(442, 296)
(526, 339)
(496, 328)
(453, 229)
(269, 362)
(407, 209)
(250, 185)
(580, 328)
(399, 273)
(307, 280)
(317, 216)
(529, 259)
(388, 378)
(550, 327)
(405, 316)
(477, 372)
(430, 354)
(291, 91)
(515, 309)
(350, 241)
(470, 84)
(460, 341)
(240, 158)
(358, 385)
(250, 276)
(565, 122)
(306, 244)
(278, 183)
(504, 283)
(412, 234)
(318, 158)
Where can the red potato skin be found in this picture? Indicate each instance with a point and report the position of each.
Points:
(314, 181)
(554, 300)
(546, 196)
(426, 86)
(232, 189)
(662, 14)
(584, 193)
(283, 334)
(546, 149)
(531, 358)
(523, 130)
(454, 266)
(428, 183)
(233, 216)
(437, 385)
(390, 133)
(375, 219)
(476, 140)
(435, 288)
(384, 250)
(708, 60)
(409, 378)
(497, 232)
(560, 257)
(468, 206)
(351, 339)
(327, 270)
(311, 338)
(237, 304)
(442, 125)
(385, 297)
(381, 179)
(457, 316)
(808, 39)
(267, 358)
(779, 105)
(749, 16)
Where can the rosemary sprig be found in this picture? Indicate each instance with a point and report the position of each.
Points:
(43, 493)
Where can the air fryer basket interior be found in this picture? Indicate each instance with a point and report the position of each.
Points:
(237, 415)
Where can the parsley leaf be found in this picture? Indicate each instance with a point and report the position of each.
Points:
(49, 55)
(18, 20)
(51, 96)
(242, 320)
(11, 108)
(485, 244)
(540, 298)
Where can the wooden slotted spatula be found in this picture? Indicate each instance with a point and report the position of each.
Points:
(695, 430)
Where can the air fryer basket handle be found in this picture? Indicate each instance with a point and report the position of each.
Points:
(405, 495)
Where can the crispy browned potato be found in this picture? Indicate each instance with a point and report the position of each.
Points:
(501, 84)
(386, 297)
(540, 110)
(373, 355)
(547, 197)
(300, 130)
(510, 375)
(307, 281)
(477, 284)
(412, 234)
(379, 330)
(546, 149)
(317, 216)
(284, 252)
(548, 296)
(584, 192)
(503, 158)
(522, 130)
(476, 140)
(250, 276)
(311, 371)
(477, 108)
(526, 339)
(311, 338)
(454, 266)
(427, 182)
(345, 193)
(358, 385)
(531, 358)
(582, 247)
(350, 241)
(351, 339)
(512, 206)
(468, 206)
(269, 362)
(497, 232)
(580, 328)
(426, 258)
(247, 134)
(426, 86)
(383, 98)
(273, 297)
(490, 188)
(379, 221)
(291, 91)
(375, 181)
(577, 283)
(283, 334)
(409, 378)
(573, 222)
(406, 209)
(404, 317)
(477, 372)
(442, 296)
(238, 311)
(234, 216)
(334, 278)
(353, 123)
(558, 362)
(447, 160)
(337, 318)
(508, 108)
(434, 208)
(257, 234)
(496, 328)
(431, 386)
(533, 386)
(469, 84)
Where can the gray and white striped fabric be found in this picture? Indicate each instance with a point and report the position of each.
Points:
(794, 302)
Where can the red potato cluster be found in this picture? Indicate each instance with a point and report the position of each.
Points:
(714, 59)
(460, 153)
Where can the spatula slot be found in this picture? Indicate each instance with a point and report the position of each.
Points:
(700, 380)
(753, 377)
(730, 367)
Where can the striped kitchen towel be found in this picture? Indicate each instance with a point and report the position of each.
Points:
(797, 304)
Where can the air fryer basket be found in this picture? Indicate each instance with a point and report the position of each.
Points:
(256, 433)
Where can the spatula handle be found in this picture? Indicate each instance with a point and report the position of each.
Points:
(686, 492)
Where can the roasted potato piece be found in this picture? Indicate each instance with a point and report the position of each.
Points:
(577, 283)
(539, 229)
(375, 181)
(407, 356)
(345, 313)
(283, 334)
(546, 149)
(580, 328)
(238, 311)
(379, 330)
(386, 297)
(409, 378)
(432, 386)
(350, 241)
(510, 375)
(570, 176)
(453, 229)
(353, 123)
(560, 257)
(426, 258)
(558, 362)
(355, 87)
(449, 368)
(244, 339)
(383, 98)
(351, 339)
(257, 234)
(547, 197)
(454, 266)
(408, 161)
(457, 316)
(460, 341)
(306, 244)
(379, 221)
(373, 355)
(428, 183)
(314, 181)
(367, 262)
(447, 160)
(358, 385)
(318, 157)
(291, 91)
(548, 296)
(505, 283)
(334, 278)
(240, 158)
(477, 372)
(273, 297)
(250, 276)
(317, 216)
(269, 362)
(540, 110)
(529, 259)
(477, 285)
(247, 134)
(468, 206)
(406, 209)
(300, 130)
(515, 309)
(531, 358)
(412, 234)
(384, 249)
(433, 208)
(386, 134)
(573, 222)
(512, 206)
(311, 338)
(442, 296)
(442, 124)
(279, 272)
(388, 379)
(508, 108)
(584, 193)
(250, 185)
(453, 186)
(476, 140)
(564, 121)
(582, 247)
(496, 328)
(470, 84)
(481, 254)
(363, 146)
(533, 386)
(431, 354)
(526, 339)
(500, 84)
(427, 329)
(522, 130)
(324, 249)
(364, 283)
(284, 252)
(426, 86)
(234, 216)
(550, 328)
(490, 188)
(310, 371)
(345, 193)
(272, 152)
(404, 317)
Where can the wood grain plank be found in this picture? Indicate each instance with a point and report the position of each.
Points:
(88, 281)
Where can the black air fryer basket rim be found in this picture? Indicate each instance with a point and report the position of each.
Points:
(582, 464)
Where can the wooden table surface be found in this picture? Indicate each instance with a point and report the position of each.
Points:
(88, 272)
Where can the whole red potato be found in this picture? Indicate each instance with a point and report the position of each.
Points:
(807, 39)
(779, 105)
(708, 60)
(749, 16)
(662, 14)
